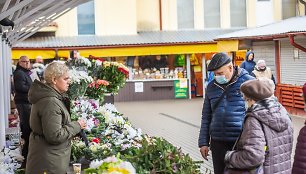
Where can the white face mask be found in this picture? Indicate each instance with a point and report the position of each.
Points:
(246, 105)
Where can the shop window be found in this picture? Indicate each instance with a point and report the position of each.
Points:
(211, 14)
(288, 8)
(238, 13)
(86, 18)
(185, 14)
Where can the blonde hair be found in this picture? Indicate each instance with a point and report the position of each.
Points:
(54, 70)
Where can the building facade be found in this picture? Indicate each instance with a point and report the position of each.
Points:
(127, 17)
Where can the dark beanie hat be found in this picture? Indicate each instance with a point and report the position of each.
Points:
(257, 89)
(217, 61)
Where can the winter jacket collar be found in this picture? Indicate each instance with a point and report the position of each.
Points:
(41, 90)
(270, 112)
(18, 67)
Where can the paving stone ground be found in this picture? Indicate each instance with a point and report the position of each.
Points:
(178, 121)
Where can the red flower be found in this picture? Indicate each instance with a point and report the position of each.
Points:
(125, 72)
(96, 140)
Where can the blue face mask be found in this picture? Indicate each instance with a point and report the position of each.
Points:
(221, 79)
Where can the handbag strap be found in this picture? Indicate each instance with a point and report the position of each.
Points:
(219, 100)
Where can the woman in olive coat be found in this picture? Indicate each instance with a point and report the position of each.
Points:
(52, 129)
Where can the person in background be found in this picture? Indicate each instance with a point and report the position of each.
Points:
(248, 64)
(210, 76)
(22, 83)
(145, 62)
(160, 62)
(223, 110)
(261, 70)
(50, 140)
(38, 68)
(267, 136)
(299, 164)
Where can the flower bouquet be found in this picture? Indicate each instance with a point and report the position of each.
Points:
(110, 165)
(80, 63)
(87, 110)
(10, 160)
(115, 73)
(79, 81)
(97, 89)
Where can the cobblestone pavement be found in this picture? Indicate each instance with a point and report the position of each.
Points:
(178, 121)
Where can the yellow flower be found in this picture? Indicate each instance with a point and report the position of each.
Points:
(106, 64)
(116, 169)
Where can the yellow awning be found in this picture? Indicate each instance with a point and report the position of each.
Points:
(123, 51)
(32, 54)
(227, 45)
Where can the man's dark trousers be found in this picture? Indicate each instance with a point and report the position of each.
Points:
(24, 111)
(218, 150)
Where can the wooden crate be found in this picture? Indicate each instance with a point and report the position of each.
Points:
(290, 96)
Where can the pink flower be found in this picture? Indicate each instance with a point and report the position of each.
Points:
(96, 122)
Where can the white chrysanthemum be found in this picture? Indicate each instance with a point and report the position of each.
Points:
(95, 163)
(83, 60)
(94, 147)
(90, 124)
(127, 166)
(80, 144)
(111, 159)
(110, 107)
(78, 76)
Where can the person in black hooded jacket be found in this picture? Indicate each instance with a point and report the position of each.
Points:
(23, 82)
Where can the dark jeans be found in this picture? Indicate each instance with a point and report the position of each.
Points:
(218, 150)
(24, 111)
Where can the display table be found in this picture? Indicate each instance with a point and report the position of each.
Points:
(149, 89)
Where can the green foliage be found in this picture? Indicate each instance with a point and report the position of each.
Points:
(20, 171)
(159, 156)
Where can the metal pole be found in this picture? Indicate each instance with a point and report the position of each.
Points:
(6, 85)
(203, 73)
(188, 75)
(2, 121)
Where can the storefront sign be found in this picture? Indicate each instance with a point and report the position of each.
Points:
(138, 86)
(180, 88)
(183, 83)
